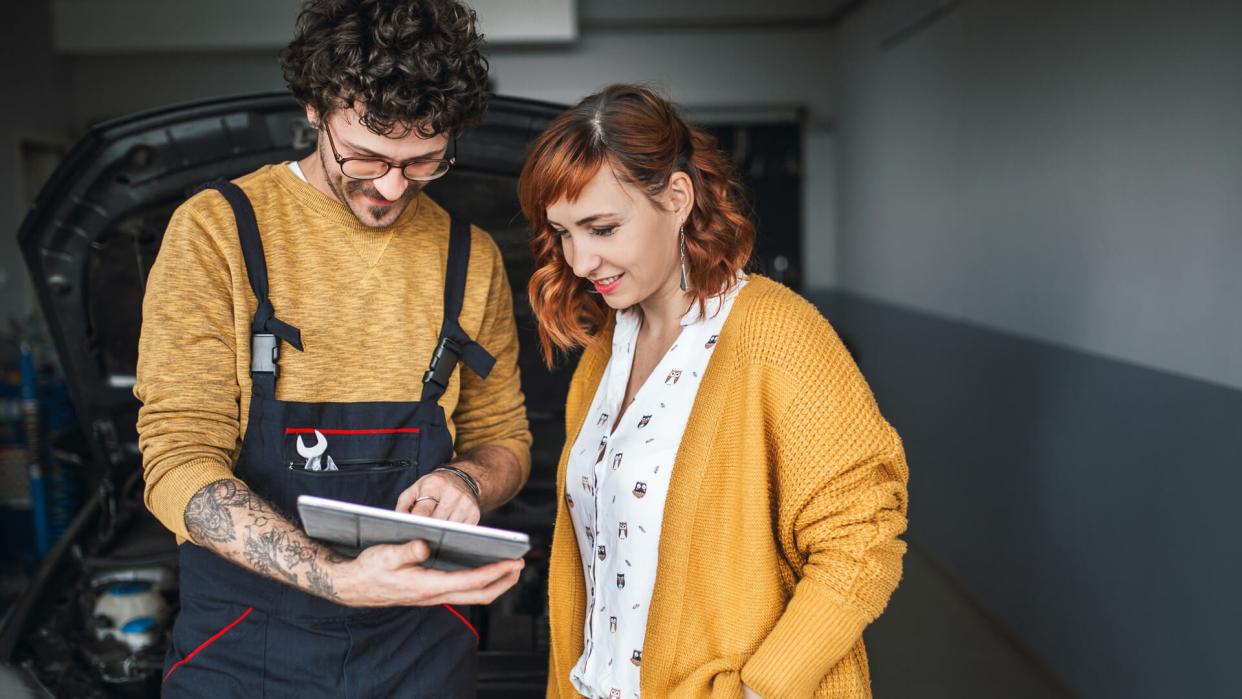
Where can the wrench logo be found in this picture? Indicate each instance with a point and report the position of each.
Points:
(315, 460)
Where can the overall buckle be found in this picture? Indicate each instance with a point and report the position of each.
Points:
(443, 361)
(264, 351)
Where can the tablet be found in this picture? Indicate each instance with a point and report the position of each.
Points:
(454, 546)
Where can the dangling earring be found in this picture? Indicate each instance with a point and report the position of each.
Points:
(685, 281)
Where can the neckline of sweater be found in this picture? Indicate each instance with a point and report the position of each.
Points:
(333, 211)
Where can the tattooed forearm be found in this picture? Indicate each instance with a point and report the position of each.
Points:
(207, 517)
(226, 517)
(295, 552)
(263, 553)
(320, 583)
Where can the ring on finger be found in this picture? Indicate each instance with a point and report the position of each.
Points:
(432, 498)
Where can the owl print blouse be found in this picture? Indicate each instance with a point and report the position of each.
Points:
(615, 488)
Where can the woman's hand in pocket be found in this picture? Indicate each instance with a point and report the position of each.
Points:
(441, 495)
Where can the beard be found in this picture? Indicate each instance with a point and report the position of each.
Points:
(380, 215)
(346, 189)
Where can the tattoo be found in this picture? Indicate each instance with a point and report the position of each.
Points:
(263, 553)
(269, 543)
(207, 517)
(319, 583)
(296, 552)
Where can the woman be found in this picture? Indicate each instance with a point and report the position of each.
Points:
(731, 496)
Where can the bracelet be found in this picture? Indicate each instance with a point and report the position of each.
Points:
(466, 478)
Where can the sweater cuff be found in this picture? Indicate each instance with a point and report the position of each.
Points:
(168, 497)
(812, 636)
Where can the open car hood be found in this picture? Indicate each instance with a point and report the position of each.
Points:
(96, 228)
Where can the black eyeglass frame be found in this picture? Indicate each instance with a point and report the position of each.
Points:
(447, 163)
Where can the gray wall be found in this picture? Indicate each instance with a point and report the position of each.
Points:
(1088, 504)
(34, 81)
(1067, 171)
(1038, 250)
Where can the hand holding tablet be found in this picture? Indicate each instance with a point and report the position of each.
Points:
(454, 546)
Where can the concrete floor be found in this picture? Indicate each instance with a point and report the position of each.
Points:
(934, 643)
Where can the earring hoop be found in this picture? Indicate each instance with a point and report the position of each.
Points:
(685, 280)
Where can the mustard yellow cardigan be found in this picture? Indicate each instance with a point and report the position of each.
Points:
(779, 542)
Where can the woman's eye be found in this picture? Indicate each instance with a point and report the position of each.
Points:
(559, 233)
(604, 230)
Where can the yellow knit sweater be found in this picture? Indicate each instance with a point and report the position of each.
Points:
(368, 302)
(779, 538)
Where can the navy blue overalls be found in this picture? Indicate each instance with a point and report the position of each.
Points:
(240, 634)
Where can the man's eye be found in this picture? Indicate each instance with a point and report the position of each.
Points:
(363, 167)
(604, 230)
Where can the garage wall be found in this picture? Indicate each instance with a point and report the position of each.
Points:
(1039, 238)
(1066, 171)
(34, 80)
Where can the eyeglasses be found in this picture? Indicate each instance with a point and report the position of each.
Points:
(416, 170)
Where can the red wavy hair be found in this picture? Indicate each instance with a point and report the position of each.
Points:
(643, 138)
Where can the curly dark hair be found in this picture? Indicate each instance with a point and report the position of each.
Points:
(409, 64)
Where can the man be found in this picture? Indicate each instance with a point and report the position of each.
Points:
(289, 323)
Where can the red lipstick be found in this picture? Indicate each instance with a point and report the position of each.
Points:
(610, 287)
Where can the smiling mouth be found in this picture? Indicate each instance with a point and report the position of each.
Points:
(607, 285)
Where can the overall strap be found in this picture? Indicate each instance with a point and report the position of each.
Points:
(266, 330)
(454, 344)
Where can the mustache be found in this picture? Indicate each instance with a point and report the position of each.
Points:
(364, 187)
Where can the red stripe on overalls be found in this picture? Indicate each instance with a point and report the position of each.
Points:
(312, 430)
(208, 642)
(464, 620)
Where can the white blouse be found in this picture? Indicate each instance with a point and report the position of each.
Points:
(616, 485)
